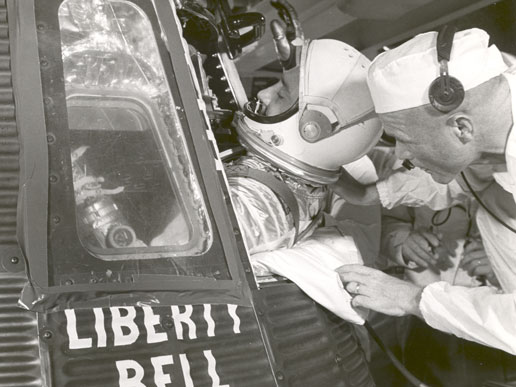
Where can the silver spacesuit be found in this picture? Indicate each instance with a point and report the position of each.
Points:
(303, 147)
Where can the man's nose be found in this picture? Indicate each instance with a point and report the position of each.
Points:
(264, 96)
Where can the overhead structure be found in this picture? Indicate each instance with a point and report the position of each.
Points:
(368, 25)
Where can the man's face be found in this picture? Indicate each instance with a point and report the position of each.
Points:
(279, 97)
(428, 143)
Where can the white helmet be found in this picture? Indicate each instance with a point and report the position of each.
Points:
(332, 124)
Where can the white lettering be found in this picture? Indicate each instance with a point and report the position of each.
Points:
(185, 317)
(212, 370)
(185, 366)
(99, 327)
(124, 380)
(127, 321)
(209, 320)
(160, 378)
(73, 336)
(151, 320)
(236, 320)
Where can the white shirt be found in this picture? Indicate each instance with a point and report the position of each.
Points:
(484, 314)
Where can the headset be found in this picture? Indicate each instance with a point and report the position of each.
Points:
(446, 93)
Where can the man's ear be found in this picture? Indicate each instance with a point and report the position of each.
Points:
(462, 127)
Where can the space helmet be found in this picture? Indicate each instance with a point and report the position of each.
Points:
(332, 124)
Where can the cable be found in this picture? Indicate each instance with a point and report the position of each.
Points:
(437, 214)
(484, 206)
(411, 378)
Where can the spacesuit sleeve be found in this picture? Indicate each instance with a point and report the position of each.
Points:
(416, 188)
(262, 219)
(311, 265)
(477, 314)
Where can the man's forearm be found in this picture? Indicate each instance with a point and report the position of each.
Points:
(478, 314)
(354, 192)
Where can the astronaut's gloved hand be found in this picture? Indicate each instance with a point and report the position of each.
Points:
(91, 187)
(87, 186)
(348, 188)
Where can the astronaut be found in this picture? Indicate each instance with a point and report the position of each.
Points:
(316, 119)
(299, 133)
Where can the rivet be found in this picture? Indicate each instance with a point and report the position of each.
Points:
(56, 219)
(47, 335)
(15, 260)
(276, 140)
(167, 323)
(51, 138)
(53, 178)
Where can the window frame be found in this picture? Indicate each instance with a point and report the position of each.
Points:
(227, 241)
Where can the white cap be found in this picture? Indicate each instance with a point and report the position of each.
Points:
(400, 78)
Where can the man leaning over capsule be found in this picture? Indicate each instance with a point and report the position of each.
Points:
(445, 133)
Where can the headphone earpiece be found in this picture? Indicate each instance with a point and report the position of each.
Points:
(445, 93)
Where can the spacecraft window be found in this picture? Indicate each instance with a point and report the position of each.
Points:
(136, 193)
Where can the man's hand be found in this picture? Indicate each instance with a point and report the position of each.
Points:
(378, 291)
(354, 192)
(420, 247)
(476, 262)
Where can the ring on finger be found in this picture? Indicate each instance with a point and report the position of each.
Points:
(357, 288)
